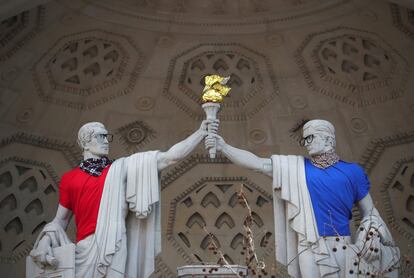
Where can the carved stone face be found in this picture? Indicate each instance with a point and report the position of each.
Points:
(316, 142)
(98, 145)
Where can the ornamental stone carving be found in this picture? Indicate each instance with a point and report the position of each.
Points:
(145, 103)
(70, 151)
(87, 69)
(403, 19)
(213, 203)
(86, 63)
(27, 198)
(161, 269)
(399, 195)
(356, 58)
(135, 135)
(352, 66)
(17, 30)
(250, 73)
(231, 14)
(211, 200)
(28, 192)
(212, 7)
(390, 165)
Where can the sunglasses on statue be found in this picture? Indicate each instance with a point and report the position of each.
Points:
(101, 137)
(306, 140)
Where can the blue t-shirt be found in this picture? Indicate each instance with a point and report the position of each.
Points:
(333, 192)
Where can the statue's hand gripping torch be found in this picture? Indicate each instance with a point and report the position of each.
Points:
(213, 94)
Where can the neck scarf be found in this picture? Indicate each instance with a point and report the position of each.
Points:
(325, 160)
(95, 166)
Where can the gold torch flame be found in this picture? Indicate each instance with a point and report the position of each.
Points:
(215, 89)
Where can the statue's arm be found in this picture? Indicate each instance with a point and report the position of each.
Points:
(242, 157)
(185, 147)
(366, 207)
(62, 217)
(373, 232)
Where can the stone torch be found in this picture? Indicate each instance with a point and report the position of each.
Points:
(213, 94)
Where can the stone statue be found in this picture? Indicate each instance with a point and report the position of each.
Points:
(116, 207)
(313, 200)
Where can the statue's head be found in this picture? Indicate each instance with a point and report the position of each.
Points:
(94, 140)
(318, 137)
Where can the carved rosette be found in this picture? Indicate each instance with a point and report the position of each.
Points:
(135, 135)
(87, 69)
(352, 66)
(28, 199)
(249, 73)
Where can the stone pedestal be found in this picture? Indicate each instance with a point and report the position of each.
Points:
(216, 271)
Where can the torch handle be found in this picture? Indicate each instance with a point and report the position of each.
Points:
(211, 110)
(213, 150)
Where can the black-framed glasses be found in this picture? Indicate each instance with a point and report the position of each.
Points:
(101, 137)
(306, 140)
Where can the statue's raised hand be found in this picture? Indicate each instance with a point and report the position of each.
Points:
(209, 126)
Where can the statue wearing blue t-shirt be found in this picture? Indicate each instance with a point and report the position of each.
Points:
(313, 199)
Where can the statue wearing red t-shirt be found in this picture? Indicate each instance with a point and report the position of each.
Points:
(116, 207)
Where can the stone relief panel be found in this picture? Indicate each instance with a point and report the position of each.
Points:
(199, 200)
(135, 136)
(390, 165)
(30, 168)
(28, 198)
(87, 69)
(212, 7)
(71, 152)
(403, 19)
(213, 203)
(16, 31)
(399, 195)
(250, 73)
(352, 66)
(162, 270)
(212, 13)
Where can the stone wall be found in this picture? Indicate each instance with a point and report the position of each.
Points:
(137, 65)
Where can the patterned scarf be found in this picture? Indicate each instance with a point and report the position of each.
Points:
(325, 160)
(95, 166)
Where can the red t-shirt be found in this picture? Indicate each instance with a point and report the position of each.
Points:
(81, 193)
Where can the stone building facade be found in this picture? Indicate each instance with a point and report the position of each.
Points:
(137, 66)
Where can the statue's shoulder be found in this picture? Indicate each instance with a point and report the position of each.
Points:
(69, 176)
(71, 172)
(350, 164)
(352, 167)
(286, 156)
(280, 159)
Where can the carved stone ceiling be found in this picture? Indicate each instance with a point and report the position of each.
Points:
(216, 13)
(136, 66)
(223, 8)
